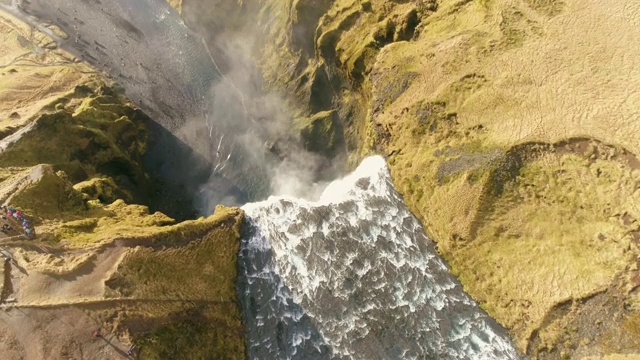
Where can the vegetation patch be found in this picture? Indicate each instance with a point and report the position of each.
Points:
(602, 323)
(195, 334)
(201, 269)
(118, 220)
(433, 118)
(319, 132)
(547, 7)
(88, 136)
(201, 275)
(48, 196)
(104, 190)
(551, 208)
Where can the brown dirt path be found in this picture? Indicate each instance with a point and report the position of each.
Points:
(64, 333)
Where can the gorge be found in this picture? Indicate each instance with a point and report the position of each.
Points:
(510, 131)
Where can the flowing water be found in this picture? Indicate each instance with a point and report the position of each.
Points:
(352, 276)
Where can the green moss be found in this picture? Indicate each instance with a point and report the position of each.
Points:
(103, 189)
(319, 132)
(203, 273)
(99, 135)
(48, 196)
(96, 223)
(208, 262)
(193, 334)
(432, 118)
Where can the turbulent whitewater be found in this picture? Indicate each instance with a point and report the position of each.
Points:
(352, 276)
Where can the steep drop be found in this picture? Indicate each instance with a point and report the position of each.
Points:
(352, 276)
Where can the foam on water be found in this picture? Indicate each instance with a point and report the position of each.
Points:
(352, 276)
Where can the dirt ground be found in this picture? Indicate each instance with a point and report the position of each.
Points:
(50, 316)
(55, 333)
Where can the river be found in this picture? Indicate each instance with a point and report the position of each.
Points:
(353, 276)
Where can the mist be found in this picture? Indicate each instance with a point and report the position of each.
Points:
(251, 137)
(218, 136)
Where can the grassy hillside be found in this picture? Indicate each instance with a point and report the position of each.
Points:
(32, 73)
(193, 312)
(71, 159)
(511, 129)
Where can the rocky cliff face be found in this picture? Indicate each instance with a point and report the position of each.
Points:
(511, 131)
(75, 160)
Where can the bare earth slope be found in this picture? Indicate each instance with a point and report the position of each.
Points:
(71, 152)
(512, 130)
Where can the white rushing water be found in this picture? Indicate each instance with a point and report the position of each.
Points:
(352, 276)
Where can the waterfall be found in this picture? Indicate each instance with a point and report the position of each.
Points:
(353, 276)
(350, 276)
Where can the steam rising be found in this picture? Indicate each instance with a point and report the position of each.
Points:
(251, 140)
(200, 82)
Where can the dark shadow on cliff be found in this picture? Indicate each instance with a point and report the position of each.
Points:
(181, 177)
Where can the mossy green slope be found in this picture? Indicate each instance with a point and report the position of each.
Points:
(80, 159)
(319, 132)
(501, 137)
(90, 132)
(204, 322)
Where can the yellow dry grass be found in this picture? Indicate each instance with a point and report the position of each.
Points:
(32, 72)
(207, 323)
(48, 263)
(202, 270)
(507, 73)
(614, 357)
(553, 236)
(477, 80)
